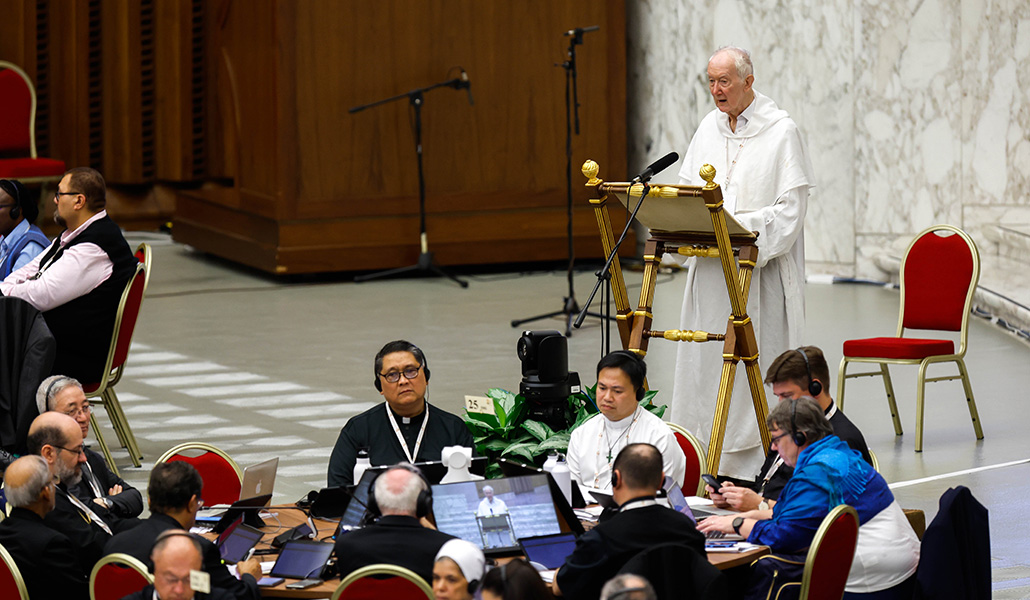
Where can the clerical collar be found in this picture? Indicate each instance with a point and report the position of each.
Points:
(641, 502)
(409, 420)
(829, 412)
(622, 423)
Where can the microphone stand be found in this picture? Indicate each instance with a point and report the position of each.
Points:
(604, 274)
(426, 264)
(569, 305)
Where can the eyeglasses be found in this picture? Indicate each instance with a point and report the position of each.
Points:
(395, 376)
(58, 194)
(85, 409)
(80, 450)
(778, 438)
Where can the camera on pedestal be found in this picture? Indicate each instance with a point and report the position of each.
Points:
(546, 380)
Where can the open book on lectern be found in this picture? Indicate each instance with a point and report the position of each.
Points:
(675, 209)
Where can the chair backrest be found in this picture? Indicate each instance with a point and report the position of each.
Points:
(17, 111)
(876, 461)
(116, 576)
(11, 584)
(678, 571)
(121, 337)
(222, 477)
(145, 257)
(382, 581)
(697, 462)
(938, 277)
(830, 555)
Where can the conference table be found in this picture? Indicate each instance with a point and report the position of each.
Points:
(289, 516)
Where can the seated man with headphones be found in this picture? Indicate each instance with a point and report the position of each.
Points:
(828, 473)
(400, 497)
(20, 239)
(620, 422)
(640, 523)
(402, 429)
(794, 374)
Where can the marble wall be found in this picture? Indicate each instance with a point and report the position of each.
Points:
(915, 112)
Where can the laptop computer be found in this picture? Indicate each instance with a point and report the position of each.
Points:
(533, 505)
(259, 479)
(248, 508)
(512, 468)
(301, 559)
(548, 550)
(236, 541)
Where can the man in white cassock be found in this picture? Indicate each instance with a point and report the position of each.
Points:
(763, 167)
(491, 506)
(621, 421)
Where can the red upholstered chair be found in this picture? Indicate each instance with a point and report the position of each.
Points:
(18, 130)
(696, 460)
(101, 391)
(829, 557)
(12, 586)
(222, 477)
(116, 576)
(383, 581)
(938, 277)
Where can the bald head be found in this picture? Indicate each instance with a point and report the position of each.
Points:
(26, 481)
(55, 429)
(175, 554)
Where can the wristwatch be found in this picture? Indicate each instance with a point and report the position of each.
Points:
(108, 503)
(737, 523)
(763, 505)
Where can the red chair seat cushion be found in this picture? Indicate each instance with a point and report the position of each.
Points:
(900, 348)
(375, 588)
(23, 168)
(115, 581)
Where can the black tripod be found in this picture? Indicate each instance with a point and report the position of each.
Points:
(425, 263)
(569, 305)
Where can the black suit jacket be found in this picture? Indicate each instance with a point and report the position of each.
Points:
(127, 504)
(139, 540)
(147, 593)
(45, 557)
(605, 549)
(395, 540)
(86, 536)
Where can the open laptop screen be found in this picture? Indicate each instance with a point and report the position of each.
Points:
(520, 507)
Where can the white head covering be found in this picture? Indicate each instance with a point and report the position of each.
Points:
(467, 556)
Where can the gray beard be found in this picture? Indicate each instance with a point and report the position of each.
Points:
(69, 477)
(60, 220)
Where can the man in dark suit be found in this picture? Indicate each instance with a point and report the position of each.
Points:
(398, 538)
(57, 438)
(175, 554)
(45, 557)
(174, 495)
(639, 524)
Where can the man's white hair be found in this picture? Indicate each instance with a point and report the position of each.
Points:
(741, 60)
(488, 487)
(27, 493)
(50, 388)
(399, 499)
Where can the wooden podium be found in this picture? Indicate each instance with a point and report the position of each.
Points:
(688, 220)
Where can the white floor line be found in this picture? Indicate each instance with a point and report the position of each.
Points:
(902, 484)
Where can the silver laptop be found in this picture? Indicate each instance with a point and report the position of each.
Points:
(259, 479)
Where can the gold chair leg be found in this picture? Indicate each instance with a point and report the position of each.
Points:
(920, 397)
(970, 402)
(103, 445)
(130, 439)
(115, 421)
(889, 386)
(841, 376)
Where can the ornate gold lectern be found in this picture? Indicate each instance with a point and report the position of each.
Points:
(688, 220)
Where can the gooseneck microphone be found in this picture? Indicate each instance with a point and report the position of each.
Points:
(582, 30)
(656, 167)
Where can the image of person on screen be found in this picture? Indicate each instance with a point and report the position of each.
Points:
(491, 506)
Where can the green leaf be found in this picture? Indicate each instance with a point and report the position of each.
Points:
(657, 411)
(538, 430)
(649, 396)
(488, 420)
(508, 403)
(558, 441)
(525, 449)
(581, 418)
(495, 445)
(493, 471)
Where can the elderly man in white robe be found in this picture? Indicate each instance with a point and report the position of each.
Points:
(765, 173)
(621, 421)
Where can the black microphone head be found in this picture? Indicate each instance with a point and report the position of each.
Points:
(663, 163)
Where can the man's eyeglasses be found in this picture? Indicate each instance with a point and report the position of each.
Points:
(85, 409)
(395, 376)
(58, 194)
(81, 449)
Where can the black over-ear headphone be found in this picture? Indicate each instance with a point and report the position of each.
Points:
(799, 437)
(424, 504)
(12, 190)
(419, 356)
(615, 479)
(815, 387)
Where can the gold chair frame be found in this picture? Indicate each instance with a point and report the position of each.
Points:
(32, 122)
(201, 446)
(922, 379)
(696, 444)
(120, 559)
(383, 569)
(19, 581)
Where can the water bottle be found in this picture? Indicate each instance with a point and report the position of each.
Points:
(552, 460)
(360, 465)
(563, 478)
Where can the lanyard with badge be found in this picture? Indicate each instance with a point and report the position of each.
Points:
(400, 436)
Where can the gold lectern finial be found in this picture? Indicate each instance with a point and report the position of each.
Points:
(708, 174)
(590, 169)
